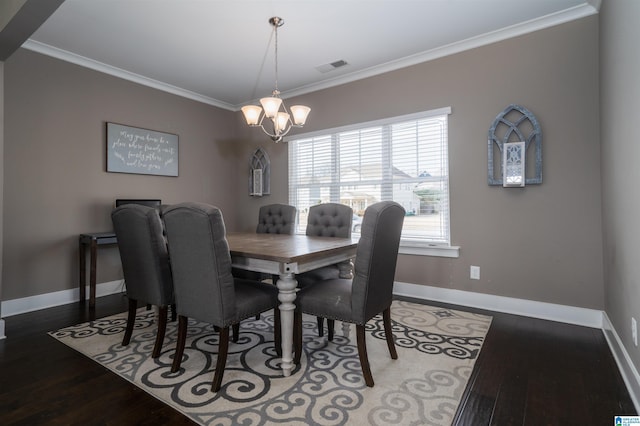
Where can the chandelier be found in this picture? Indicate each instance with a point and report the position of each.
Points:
(279, 121)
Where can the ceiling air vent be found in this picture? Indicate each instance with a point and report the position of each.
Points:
(331, 66)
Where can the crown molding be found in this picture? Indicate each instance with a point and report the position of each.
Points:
(533, 25)
(591, 7)
(73, 58)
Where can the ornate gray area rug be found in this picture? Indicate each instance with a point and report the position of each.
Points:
(437, 349)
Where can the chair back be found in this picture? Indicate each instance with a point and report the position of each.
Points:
(376, 256)
(143, 252)
(330, 220)
(201, 263)
(276, 219)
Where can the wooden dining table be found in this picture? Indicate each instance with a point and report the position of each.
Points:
(286, 256)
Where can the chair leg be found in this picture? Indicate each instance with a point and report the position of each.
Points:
(236, 332)
(174, 313)
(362, 353)
(277, 331)
(223, 348)
(320, 321)
(182, 336)
(386, 319)
(331, 325)
(162, 326)
(297, 337)
(131, 319)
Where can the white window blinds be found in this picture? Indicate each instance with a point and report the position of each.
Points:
(402, 159)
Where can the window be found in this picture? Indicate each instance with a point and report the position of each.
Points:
(404, 159)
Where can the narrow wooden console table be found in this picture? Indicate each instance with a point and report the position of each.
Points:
(91, 240)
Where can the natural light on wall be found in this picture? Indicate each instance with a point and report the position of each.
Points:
(404, 159)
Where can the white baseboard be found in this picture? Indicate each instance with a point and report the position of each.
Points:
(568, 314)
(48, 300)
(549, 311)
(528, 308)
(625, 365)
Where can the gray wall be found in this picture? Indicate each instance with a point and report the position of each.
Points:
(620, 88)
(542, 242)
(56, 181)
(1, 172)
(8, 9)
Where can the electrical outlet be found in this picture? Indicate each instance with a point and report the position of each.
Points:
(474, 272)
(634, 331)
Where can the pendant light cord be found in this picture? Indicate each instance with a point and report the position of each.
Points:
(275, 28)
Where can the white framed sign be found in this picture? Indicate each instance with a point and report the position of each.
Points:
(141, 151)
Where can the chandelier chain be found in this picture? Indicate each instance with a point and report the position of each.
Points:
(275, 28)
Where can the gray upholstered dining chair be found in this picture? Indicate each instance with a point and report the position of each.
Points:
(145, 265)
(369, 293)
(276, 219)
(204, 286)
(272, 219)
(326, 220)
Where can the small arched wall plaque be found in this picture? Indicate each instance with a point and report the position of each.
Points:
(259, 173)
(515, 124)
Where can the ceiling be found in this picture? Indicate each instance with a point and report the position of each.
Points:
(222, 53)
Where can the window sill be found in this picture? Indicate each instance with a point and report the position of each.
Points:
(425, 249)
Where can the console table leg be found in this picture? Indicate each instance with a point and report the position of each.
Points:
(83, 271)
(92, 276)
(91, 241)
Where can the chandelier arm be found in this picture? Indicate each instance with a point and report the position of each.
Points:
(289, 120)
(266, 132)
(288, 128)
(279, 137)
(276, 137)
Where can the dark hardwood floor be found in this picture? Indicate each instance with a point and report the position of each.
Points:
(530, 372)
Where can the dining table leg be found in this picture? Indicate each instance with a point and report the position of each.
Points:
(287, 294)
(346, 269)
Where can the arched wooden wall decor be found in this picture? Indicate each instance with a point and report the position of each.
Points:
(515, 124)
(259, 173)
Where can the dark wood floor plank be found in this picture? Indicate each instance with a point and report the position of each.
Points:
(539, 372)
(43, 382)
(529, 372)
(488, 375)
(510, 402)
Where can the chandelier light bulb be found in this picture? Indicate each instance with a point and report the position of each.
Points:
(281, 122)
(252, 114)
(271, 106)
(300, 113)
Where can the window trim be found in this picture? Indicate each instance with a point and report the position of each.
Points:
(410, 246)
(422, 248)
(373, 123)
